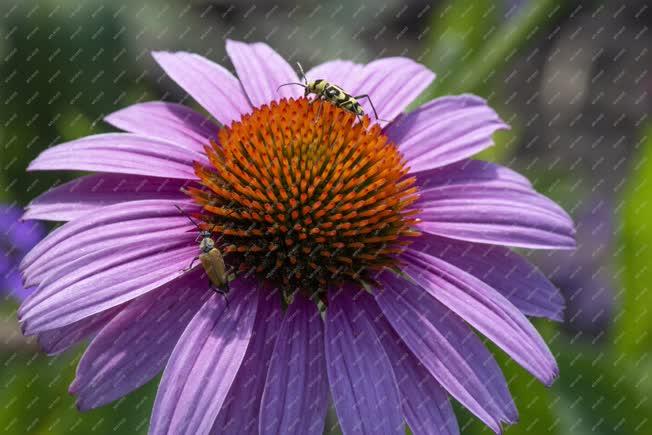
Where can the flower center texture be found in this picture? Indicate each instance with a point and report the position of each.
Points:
(305, 197)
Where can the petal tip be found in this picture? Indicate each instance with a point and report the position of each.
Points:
(570, 244)
(550, 376)
(33, 165)
(28, 215)
(73, 388)
(156, 53)
(81, 406)
(24, 328)
(232, 43)
(162, 57)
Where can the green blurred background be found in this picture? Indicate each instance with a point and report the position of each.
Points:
(571, 77)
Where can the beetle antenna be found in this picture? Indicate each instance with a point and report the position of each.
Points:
(303, 75)
(231, 211)
(188, 216)
(291, 83)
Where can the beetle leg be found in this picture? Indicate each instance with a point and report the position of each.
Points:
(320, 107)
(372, 105)
(191, 263)
(224, 292)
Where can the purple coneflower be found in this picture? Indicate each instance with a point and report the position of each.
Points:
(363, 254)
(16, 239)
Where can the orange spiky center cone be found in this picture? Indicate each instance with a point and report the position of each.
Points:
(306, 197)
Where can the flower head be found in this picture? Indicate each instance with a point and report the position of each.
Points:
(310, 200)
(359, 254)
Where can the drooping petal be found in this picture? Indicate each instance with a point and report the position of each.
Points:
(136, 344)
(448, 349)
(118, 213)
(472, 172)
(360, 375)
(163, 230)
(296, 390)
(340, 72)
(444, 131)
(210, 84)
(204, 363)
(75, 198)
(507, 272)
(425, 403)
(485, 309)
(168, 121)
(104, 279)
(486, 203)
(392, 84)
(59, 340)
(241, 410)
(261, 71)
(501, 217)
(122, 153)
(116, 225)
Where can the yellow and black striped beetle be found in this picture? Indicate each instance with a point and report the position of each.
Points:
(210, 258)
(324, 90)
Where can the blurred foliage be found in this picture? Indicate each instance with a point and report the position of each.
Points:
(472, 42)
(35, 399)
(66, 64)
(63, 70)
(635, 322)
(461, 29)
(37, 385)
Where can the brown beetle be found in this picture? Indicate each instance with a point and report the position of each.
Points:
(210, 258)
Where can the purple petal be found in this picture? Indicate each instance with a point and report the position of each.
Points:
(362, 382)
(210, 84)
(104, 279)
(168, 121)
(340, 72)
(448, 349)
(444, 131)
(117, 224)
(507, 272)
(485, 309)
(61, 339)
(467, 190)
(392, 84)
(116, 239)
(495, 215)
(425, 403)
(149, 328)
(241, 409)
(261, 71)
(122, 153)
(296, 391)
(85, 194)
(472, 172)
(490, 204)
(204, 364)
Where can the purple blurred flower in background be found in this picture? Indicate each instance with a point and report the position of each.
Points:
(387, 226)
(584, 275)
(16, 239)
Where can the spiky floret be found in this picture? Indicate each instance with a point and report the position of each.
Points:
(306, 197)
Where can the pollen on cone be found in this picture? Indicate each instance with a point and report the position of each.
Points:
(306, 196)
